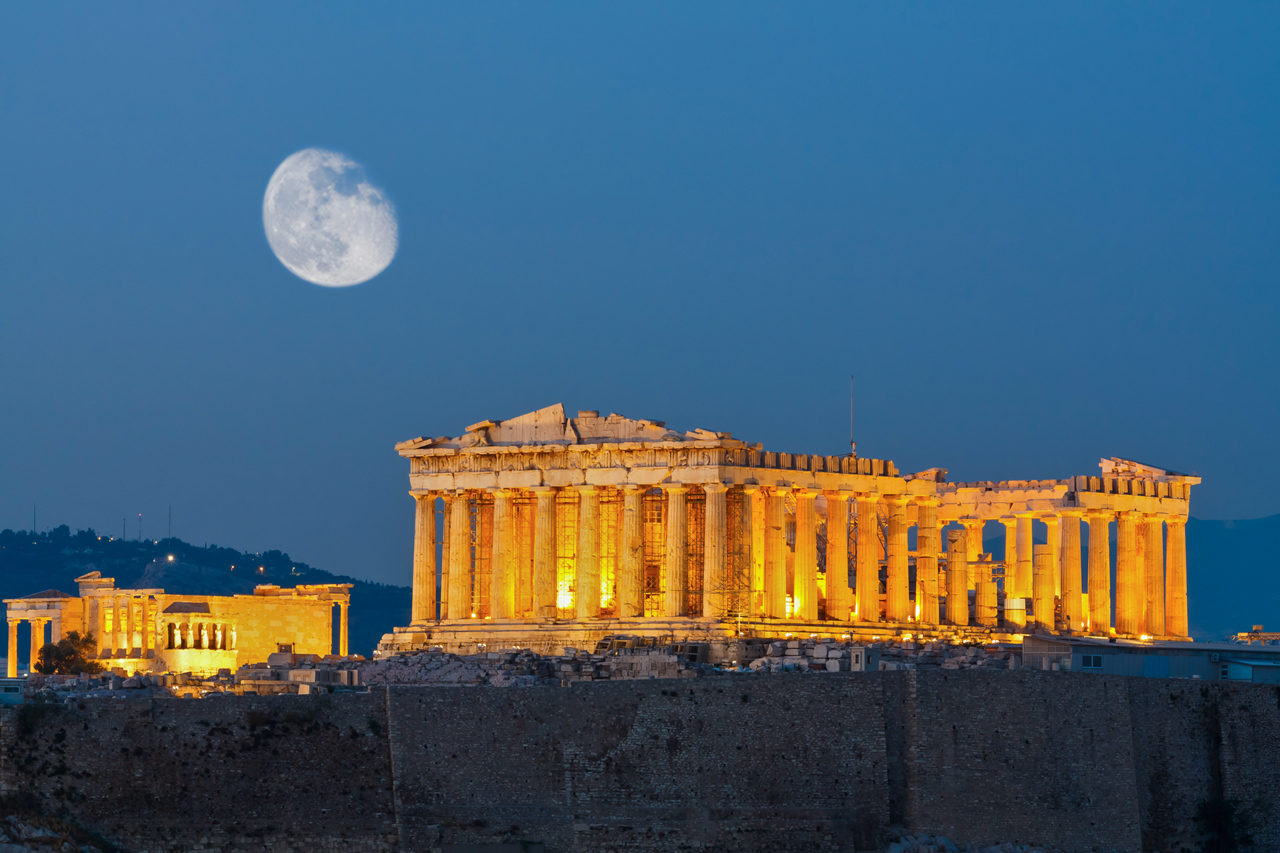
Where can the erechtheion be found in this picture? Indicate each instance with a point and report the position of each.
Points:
(152, 630)
(557, 530)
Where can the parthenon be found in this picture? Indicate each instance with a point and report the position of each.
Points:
(558, 530)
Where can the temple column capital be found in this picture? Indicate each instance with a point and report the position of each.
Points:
(674, 488)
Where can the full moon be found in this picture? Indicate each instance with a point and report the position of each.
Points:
(326, 223)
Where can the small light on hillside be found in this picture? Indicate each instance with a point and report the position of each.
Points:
(170, 558)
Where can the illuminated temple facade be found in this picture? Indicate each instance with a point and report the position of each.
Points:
(546, 531)
(150, 630)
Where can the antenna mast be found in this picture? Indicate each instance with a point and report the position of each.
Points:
(853, 445)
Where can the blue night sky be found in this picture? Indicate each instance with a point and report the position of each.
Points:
(1037, 234)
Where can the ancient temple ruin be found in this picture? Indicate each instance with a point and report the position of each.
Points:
(152, 630)
(547, 530)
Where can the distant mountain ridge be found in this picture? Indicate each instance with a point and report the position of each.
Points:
(31, 563)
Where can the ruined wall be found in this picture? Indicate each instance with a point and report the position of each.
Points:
(235, 773)
(1031, 756)
(778, 763)
(734, 764)
(262, 621)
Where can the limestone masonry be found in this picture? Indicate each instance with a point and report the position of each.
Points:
(559, 530)
(789, 762)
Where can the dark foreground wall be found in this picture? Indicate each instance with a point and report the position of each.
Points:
(777, 763)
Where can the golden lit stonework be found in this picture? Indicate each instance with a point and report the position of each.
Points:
(559, 530)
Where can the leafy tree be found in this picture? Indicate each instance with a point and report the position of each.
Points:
(72, 655)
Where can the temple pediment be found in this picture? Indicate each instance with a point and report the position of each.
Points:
(1117, 467)
(553, 426)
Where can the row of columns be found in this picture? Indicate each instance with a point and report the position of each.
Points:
(37, 624)
(1151, 590)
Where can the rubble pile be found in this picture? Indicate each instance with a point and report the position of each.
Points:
(825, 655)
(47, 836)
(59, 688)
(522, 668)
(940, 654)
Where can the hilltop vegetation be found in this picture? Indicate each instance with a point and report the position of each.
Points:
(33, 562)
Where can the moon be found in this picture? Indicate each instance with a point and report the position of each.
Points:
(326, 223)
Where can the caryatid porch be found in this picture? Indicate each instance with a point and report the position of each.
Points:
(548, 530)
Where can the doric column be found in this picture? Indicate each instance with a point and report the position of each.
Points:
(631, 554)
(37, 640)
(675, 562)
(927, 559)
(460, 555)
(424, 559)
(1042, 587)
(343, 633)
(1140, 565)
(1099, 572)
(544, 554)
(1073, 615)
(775, 546)
(973, 547)
(1153, 576)
(129, 625)
(13, 648)
(957, 579)
(145, 624)
(839, 594)
(586, 577)
(805, 599)
(898, 589)
(715, 544)
(1053, 538)
(754, 518)
(447, 517)
(1175, 589)
(1129, 592)
(503, 566)
(1022, 577)
(1010, 557)
(103, 639)
(868, 556)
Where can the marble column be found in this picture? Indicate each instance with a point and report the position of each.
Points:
(675, 562)
(868, 555)
(973, 545)
(1175, 588)
(1010, 557)
(1073, 615)
(343, 629)
(631, 554)
(1129, 593)
(757, 524)
(1099, 572)
(1042, 588)
(1022, 577)
(957, 578)
(447, 517)
(424, 559)
(544, 553)
(1053, 538)
(1140, 567)
(1153, 576)
(839, 593)
(103, 639)
(805, 599)
(715, 580)
(586, 578)
(898, 601)
(927, 560)
(37, 640)
(460, 556)
(13, 648)
(129, 626)
(775, 569)
(503, 569)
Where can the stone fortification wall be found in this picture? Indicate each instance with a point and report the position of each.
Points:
(730, 763)
(782, 762)
(234, 773)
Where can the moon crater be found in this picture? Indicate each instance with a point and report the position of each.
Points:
(326, 222)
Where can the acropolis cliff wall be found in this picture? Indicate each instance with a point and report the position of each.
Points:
(785, 762)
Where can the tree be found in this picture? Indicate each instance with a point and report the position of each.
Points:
(72, 655)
